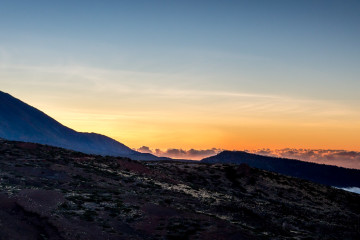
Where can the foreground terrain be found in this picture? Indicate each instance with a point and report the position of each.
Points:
(52, 193)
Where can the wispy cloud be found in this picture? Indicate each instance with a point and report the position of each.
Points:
(125, 81)
(108, 87)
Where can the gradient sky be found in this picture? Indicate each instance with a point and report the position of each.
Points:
(190, 74)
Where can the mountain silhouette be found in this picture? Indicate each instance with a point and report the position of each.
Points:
(320, 173)
(22, 122)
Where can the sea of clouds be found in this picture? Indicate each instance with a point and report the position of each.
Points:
(343, 158)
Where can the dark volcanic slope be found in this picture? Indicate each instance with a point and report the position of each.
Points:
(22, 122)
(320, 173)
(52, 193)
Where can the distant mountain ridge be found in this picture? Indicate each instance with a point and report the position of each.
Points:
(320, 173)
(22, 122)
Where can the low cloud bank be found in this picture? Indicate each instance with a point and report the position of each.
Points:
(193, 154)
(352, 189)
(343, 158)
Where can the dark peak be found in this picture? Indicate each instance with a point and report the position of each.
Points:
(228, 152)
(22, 122)
(7, 96)
(232, 154)
(4, 93)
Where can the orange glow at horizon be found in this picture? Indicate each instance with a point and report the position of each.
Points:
(205, 120)
(177, 132)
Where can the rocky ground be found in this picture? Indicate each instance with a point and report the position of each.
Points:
(52, 193)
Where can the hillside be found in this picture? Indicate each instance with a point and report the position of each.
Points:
(22, 122)
(53, 193)
(324, 174)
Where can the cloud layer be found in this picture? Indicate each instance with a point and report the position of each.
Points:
(343, 158)
(193, 154)
(348, 159)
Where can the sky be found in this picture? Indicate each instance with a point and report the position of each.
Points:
(190, 74)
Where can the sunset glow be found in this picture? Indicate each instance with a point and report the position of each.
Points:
(236, 76)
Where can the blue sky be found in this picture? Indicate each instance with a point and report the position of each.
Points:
(305, 54)
(275, 44)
